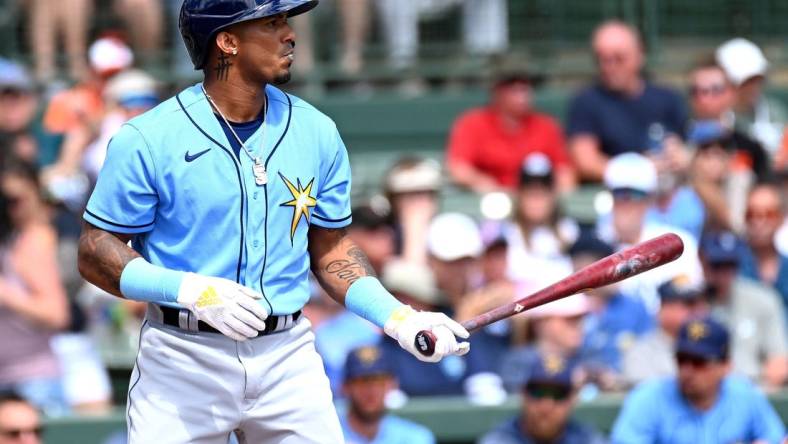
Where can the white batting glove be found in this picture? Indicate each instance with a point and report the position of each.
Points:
(223, 304)
(405, 323)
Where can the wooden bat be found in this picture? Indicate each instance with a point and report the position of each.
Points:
(616, 267)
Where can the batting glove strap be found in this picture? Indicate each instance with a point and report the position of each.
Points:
(405, 323)
(223, 304)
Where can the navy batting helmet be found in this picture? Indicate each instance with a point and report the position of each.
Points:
(200, 20)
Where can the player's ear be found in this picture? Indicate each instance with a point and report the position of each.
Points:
(227, 42)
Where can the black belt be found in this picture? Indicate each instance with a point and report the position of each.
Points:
(171, 316)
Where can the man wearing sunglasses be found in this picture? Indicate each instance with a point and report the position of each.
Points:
(20, 422)
(703, 404)
(751, 310)
(717, 141)
(548, 400)
(622, 112)
(763, 262)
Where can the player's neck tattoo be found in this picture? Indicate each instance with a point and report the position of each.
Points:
(222, 68)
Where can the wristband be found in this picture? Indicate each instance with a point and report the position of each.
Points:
(367, 298)
(143, 281)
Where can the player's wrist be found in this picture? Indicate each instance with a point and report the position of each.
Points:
(398, 317)
(368, 298)
(145, 282)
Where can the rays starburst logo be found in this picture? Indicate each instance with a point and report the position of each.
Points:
(301, 203)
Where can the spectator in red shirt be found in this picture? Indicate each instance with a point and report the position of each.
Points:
(487, 145)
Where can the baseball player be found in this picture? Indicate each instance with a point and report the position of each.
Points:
(230, 193)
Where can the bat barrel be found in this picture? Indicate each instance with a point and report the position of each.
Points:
(611, 269)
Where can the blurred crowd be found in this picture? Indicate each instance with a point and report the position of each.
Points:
(710, 165)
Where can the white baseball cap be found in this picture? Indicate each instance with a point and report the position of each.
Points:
(109, 55)
(132, 86)
(422, 176)
(568, 307)
(632, 171)
(742, 60)
(411, 278)
(453, 236)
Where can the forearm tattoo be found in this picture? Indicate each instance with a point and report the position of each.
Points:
(353, 267)
(222, 68)
(102, 257)
(361, 258)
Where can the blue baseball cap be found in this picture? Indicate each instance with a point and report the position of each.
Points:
(550, 369)
(721, 247)
(589, 243)
(367, 361)
(704, 338)
(706, 132)
(679, 289)
(14, 76)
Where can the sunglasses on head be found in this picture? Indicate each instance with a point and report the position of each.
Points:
(711, 90)
(546, 391)
(693, 360)
(17, 433)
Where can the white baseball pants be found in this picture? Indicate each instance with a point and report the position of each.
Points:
(189, 387)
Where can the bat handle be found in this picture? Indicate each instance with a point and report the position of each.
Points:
(425, 342)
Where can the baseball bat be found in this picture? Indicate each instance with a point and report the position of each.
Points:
(608, 270)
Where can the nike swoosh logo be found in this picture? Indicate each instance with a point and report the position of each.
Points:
(191, 157)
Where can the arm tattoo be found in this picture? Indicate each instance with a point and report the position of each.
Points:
(353, 267)
(361, 259)
(102, 257)
(222, 68)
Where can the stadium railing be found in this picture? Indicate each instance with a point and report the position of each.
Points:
(453, 420)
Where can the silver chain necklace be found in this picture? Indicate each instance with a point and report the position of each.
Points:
(258, 167)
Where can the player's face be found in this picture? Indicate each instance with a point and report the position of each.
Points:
(366, 396)
(266, 48)
(19, 424)
(699, 378)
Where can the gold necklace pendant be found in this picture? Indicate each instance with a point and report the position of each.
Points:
(260, 175)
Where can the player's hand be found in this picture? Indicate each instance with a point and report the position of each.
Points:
(406, 322)
(223, 304)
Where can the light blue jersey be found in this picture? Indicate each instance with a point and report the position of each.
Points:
(171, 178)
(656, 413)
(392, 430)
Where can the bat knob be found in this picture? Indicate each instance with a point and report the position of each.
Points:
(425, 342)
